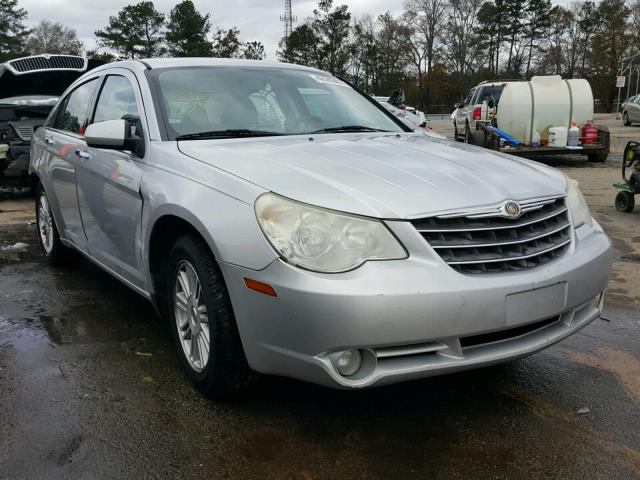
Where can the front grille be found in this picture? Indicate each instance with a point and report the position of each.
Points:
(42, 62)
(491, 243)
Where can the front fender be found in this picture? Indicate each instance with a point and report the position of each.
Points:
(218, 205)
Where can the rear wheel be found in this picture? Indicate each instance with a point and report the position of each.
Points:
(468, 136)
(48, 237)
(625, 201)
(202, 320)
(599, 157)
(625, 119)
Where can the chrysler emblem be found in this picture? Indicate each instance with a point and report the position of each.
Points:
(512, 209)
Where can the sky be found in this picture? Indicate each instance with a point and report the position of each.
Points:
(256, 19)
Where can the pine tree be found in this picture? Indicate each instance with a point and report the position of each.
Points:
(13, 33)
(538, 20)
(187, 31)
(135, 32)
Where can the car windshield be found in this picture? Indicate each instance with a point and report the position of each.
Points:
(30, 100)
(202, 102)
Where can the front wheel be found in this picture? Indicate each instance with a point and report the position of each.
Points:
(625, 201)
(48, 237)
(202, 320)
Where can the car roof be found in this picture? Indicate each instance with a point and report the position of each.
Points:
(153, 63)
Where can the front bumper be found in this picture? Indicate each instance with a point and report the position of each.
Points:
(416, 317)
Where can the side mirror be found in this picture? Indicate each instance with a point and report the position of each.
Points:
(110, 134)
(114, 135)
(458, 105)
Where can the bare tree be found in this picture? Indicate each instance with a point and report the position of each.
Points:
(53, 37)
(462, 29)
(427, 20)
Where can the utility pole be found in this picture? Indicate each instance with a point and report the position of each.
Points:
(288, 20)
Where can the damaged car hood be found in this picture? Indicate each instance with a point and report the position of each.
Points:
(39, 82)
(380, 175)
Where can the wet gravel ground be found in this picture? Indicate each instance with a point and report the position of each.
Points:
(90, 388)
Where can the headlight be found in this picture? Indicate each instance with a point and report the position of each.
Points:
(577, 205)
(323, 240)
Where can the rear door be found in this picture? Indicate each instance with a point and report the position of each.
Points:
(109, 184)
(63, 139)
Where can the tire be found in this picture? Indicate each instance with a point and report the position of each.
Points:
(47, 231)
(468, 137)
(625, 201)
(222, 370)
(456, 134)
(625, 119)
(599, 157)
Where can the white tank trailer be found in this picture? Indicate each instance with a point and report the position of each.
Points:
(542, 104)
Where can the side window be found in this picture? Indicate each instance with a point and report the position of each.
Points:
(117, 100)
(75, 116)
(467, 101)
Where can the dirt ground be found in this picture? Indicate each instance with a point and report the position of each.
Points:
(91, 388)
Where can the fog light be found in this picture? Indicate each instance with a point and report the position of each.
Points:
(349, 362)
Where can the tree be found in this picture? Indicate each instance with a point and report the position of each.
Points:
(561, 21)
(462, 29)
(427, 19)
(365, 54)
(136, 31)
(513, 28)
(253, 51)
(187, 31)
(587, 23)
(610, 44)
(12, 30)
(53, 37)
(490, 34)
(226, 43)
(301, 47)
(332, 28)
(105, 57)
(537, 21)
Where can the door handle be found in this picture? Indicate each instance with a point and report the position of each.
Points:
(49, 141)
(82, 154)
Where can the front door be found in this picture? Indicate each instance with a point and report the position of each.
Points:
(109, 186)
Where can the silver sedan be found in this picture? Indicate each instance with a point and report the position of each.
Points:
(286, 223)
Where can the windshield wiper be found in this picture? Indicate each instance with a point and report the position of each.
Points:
(228, 133)
(349, 128)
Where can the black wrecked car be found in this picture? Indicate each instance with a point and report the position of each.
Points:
(29, 89)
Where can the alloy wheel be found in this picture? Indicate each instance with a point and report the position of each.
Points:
(190, 312)
(45, 224)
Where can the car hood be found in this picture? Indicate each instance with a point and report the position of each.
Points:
(379, 175)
